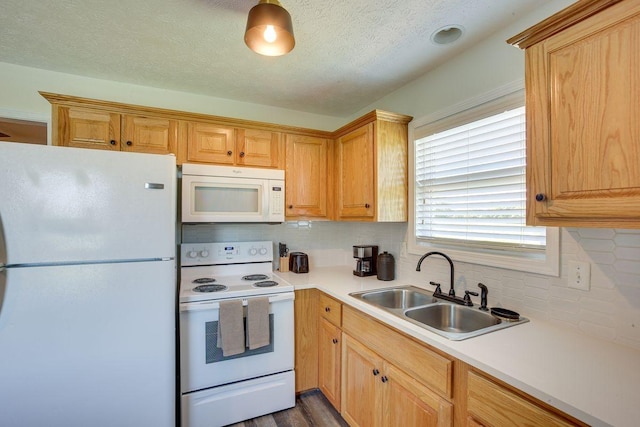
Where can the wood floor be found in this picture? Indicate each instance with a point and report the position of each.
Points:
(312, 410)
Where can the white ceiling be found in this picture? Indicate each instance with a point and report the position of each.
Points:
(348, 53)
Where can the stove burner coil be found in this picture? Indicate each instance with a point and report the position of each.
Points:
(210, 288)
(265, 284)
(204, 280)
(255, 277)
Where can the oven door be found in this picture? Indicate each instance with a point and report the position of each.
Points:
(201, 362)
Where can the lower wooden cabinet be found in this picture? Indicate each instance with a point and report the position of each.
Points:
(490, 404)
(329, 361)
(376, 393)
(385, 378)
(306, 339)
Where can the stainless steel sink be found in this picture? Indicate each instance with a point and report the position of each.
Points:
(453, 321)
(452, 318)
(398, 298)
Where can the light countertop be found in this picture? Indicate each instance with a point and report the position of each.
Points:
(593, 380)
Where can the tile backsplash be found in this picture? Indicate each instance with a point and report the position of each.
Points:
(610, 309)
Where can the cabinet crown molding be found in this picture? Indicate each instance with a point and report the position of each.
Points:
(559, 21)
(117, 107)
(369, 118)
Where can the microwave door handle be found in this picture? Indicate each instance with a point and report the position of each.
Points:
(266, 195)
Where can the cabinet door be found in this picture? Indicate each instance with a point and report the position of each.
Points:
(409, 403)
(583, 128)
(149, 135)
(329, 345)
(210, 143)
(258, 148)
(307, 160)
(306, 339)
(87, 128)
(361, 395)
(356, 179)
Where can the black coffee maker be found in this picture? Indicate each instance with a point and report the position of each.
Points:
(366, 257)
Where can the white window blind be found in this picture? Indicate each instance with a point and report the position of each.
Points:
(470, 182)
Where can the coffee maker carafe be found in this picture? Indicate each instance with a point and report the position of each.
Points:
(366, 257)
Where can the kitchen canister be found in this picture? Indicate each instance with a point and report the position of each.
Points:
(386, 266)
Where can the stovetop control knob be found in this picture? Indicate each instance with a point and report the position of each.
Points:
(253, 251)
(204, 253)
(192, 254)
(263, 251)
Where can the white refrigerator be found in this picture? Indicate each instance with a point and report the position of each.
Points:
(87, 288)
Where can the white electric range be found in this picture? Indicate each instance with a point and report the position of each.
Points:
(216, 390)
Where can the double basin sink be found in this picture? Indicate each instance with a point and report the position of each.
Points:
(453, 321)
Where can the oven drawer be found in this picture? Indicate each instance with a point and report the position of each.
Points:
(236, 402)
(201, 363)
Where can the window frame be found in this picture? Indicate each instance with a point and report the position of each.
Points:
(542, 262)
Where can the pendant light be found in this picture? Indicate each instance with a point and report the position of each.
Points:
(269, 29)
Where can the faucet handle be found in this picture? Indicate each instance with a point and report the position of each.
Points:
(437, 285)
(467, 298)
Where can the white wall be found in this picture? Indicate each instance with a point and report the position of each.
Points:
(19, 88)
(489, 64)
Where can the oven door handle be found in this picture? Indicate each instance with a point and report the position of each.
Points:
(214, 305)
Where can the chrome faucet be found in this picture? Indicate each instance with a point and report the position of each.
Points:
(452, 292)
(451, 296)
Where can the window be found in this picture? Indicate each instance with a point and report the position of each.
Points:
(470, 191)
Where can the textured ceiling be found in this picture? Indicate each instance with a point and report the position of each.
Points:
(348, 53)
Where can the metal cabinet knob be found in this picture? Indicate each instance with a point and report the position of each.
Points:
(290, 206)
(242, 154)
(540, 197)
(229, 153)
(384, 379)
(335, 340)
(375, 372)
(327, 309)
(367, 205)
(112, 142)
(129, 143)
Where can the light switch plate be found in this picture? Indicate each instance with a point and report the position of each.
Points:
(579, 275)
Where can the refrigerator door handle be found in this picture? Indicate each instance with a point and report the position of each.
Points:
(153, 186)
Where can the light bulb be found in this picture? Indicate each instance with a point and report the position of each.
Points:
(270, 34)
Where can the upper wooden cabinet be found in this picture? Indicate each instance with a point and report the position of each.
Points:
(261, 148)
(225, 145)
(371, 168)
(307, 176)
(192, 137)
(210, 143)
(104, 130)
(356, 174)
(583, 131)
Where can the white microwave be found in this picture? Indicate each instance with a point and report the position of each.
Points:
(231, 194)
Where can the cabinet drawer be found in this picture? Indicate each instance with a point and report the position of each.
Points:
(425, 365)
(331, 310)
(491, 404)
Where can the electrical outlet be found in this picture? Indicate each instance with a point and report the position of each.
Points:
(579, 275)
